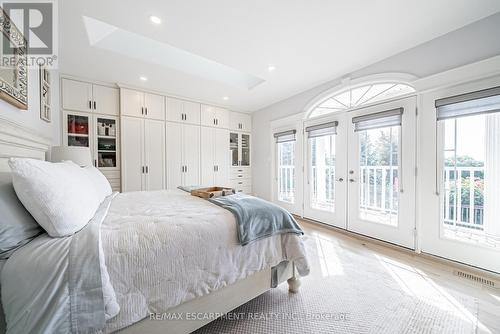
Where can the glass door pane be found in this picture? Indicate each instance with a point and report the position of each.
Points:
(470, 180)
(322, 173)
(245, 150)
(233, 146)
(378, 175)
(286, 171)
(78, 130)
(106, 142)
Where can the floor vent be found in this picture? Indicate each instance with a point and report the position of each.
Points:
(475, 278)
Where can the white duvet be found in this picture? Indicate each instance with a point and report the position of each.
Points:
(165, 248)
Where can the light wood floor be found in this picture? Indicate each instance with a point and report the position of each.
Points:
(488, 298)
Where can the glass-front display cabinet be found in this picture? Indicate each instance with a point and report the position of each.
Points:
(239, 144)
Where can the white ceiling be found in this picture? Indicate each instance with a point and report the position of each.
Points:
(309, 42)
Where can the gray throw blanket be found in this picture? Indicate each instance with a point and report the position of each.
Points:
(257, 218)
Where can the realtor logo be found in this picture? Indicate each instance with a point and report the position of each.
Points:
(36, 22)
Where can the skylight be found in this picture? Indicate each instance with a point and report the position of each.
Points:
(359, 96)
(108, 37)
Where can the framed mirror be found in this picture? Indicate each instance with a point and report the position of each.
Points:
(14, 64)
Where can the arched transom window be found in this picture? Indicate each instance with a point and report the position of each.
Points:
(358, 96)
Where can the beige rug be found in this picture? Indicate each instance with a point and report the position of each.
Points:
(354, 291)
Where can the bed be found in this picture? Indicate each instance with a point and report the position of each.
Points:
(173, 260)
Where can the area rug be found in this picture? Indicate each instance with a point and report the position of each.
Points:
(351, 290)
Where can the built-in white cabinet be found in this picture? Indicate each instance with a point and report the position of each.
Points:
(183, 154)
(214, 157)
(183, 111)
(240, 122)
(214, 116)
(141, 104)
(101, 134)
(143, 154)
(89, 97)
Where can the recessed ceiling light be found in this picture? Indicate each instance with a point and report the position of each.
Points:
(155, 19)
(143, 78)
(225, 98)
(271, 68)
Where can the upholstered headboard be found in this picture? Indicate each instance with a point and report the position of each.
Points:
(18, 141)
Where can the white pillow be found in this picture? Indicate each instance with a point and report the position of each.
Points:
(99, 181)
(59, 196)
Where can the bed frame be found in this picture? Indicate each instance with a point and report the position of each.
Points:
(18, 141)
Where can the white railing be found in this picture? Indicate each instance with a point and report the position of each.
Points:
(468, 214)
(286, 183)
(379, 188)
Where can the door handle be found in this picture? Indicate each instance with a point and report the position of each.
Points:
(142, 169)
(146, 109)
(90, 104)
(142, 110)
(186, 169)
(95, 105)
(147, 169)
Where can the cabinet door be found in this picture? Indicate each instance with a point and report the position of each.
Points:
(155, 106)
(222, 156)
(131, 102)
(106, 100)
(174, 155)
(132, 138)
(77, 95)
(191, 112)
(77, 129)
(107, 142)
(222, 118)
(234, 147)
(207, 115)
(234, 121)
(191, 153)
(246, 122)
(207, 156)
(154, 154)
(245, 150)
(174, 110)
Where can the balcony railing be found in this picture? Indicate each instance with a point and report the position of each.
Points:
(463, 197)
(379, 189)
(286, 183)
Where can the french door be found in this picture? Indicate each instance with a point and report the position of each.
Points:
(359, 171)
(325, 170)
(381, 172)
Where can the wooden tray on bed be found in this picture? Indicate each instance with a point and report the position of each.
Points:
(212, 192)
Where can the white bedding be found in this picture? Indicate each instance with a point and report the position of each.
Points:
(165, 248)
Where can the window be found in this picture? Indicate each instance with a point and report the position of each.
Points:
(359, 96)
(285, 154)
(379, 165)
(322, 165)
(470, 182)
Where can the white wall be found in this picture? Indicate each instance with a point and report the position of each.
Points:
(467, 45)
(31, 118)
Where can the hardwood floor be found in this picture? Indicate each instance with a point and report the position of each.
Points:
(487, 298)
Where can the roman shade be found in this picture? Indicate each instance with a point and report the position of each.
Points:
(324, 129)
(474, 103)
(285, 136)
(377, 120)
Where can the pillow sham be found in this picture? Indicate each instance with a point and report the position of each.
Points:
(59, 196)
(99, 181)
(17, 226)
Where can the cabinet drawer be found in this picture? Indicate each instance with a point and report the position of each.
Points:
(245, 190)
(240, 173)
(240, 183)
